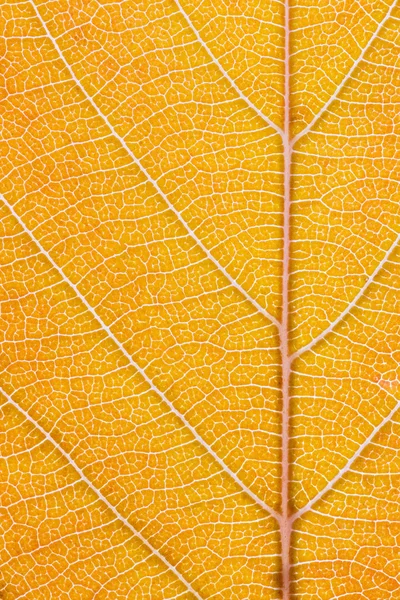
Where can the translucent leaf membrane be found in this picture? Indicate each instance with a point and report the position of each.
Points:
(246, 38)
(148, 197)
(327, 40)
(346, 195)
(346, 386)
(349, 545)
(217, 162)
(58, 540)
(61, 367)
(199, 339)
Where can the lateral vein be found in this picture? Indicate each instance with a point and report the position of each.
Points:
(98, 493)
(221, 69)
(348, 465)
(351, 305)
(328, 103)
(138, 163)
(138, 368)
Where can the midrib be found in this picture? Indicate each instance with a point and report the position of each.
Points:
(285, 522)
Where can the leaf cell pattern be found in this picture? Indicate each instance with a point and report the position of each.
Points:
(199, 300)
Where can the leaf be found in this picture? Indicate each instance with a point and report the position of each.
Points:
(199, 300)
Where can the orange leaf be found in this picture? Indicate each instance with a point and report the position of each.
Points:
(199, 308)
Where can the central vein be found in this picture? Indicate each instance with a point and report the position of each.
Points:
(285, 523)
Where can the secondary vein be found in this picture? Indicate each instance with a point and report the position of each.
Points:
(328, 103)
(98, 493)
(221, 69)
(370, 280)
(138, 163)
(340, 474)
(138, 368)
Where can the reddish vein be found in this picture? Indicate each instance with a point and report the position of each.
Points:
(285, 522)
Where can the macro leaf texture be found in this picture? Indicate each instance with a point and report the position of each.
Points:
(199, 300)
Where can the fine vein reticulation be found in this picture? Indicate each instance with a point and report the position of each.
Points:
(286, 517)
(99, 494)
(142, 372)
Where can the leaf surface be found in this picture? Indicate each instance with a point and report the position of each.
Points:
(199, 300)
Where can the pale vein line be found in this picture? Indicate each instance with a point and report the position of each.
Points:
(225, 74)
(98, 493)
(286, 524)
(348, 465)
(348, 76)
(356, 298)
(137, 162)
(143, 373)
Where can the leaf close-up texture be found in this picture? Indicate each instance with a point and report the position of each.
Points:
(200, 300)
